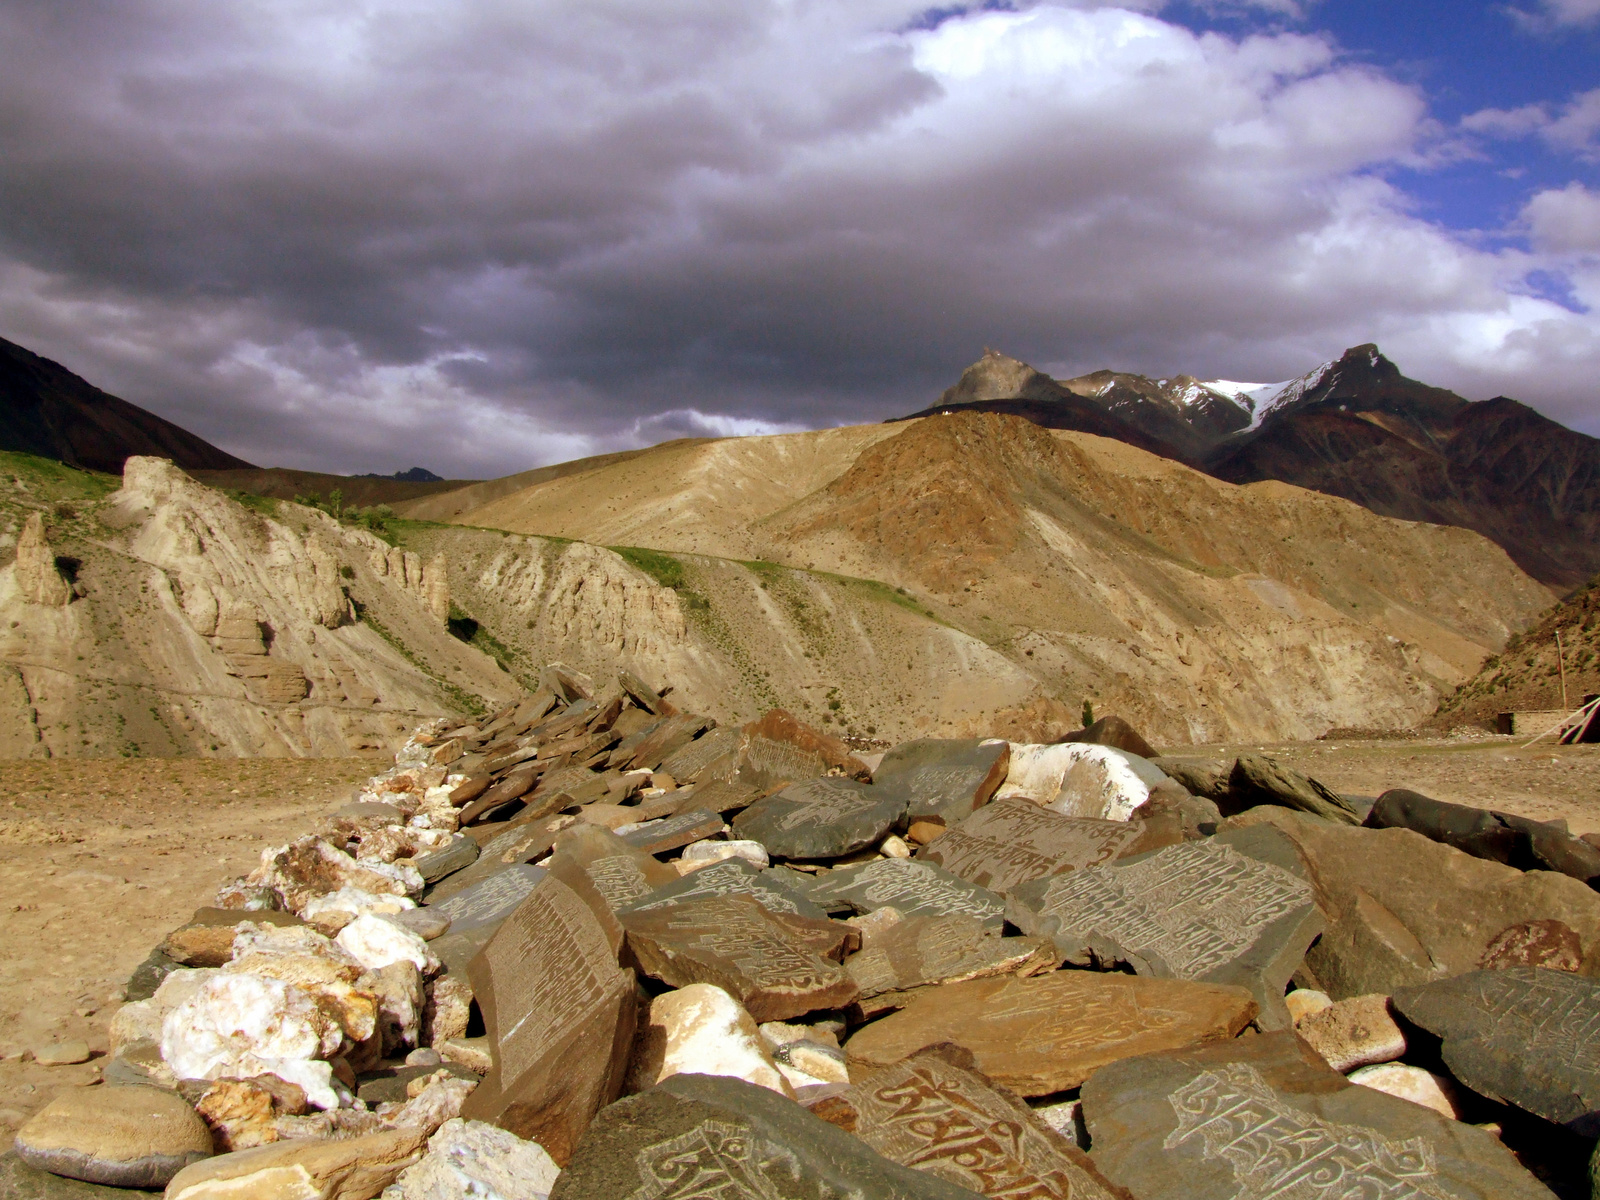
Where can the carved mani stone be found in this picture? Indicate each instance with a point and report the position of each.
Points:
(1526, 1035)
(1049, 1033)
(944, 779)
(937, 1112)
(821, 818)
(699, 1137)
(911, 887)
(776, 966)
(732, 877)
(1234, 908)
(560, 1017)
(1011, 841)
(1264, 1118)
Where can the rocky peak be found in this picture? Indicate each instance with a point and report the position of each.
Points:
(998, 376)
(38, 578)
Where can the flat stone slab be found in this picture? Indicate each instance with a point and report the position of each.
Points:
(918, 951)
(936, 1112)
(1264, 1118)
(774, 965)
(1525, 1035)
(943, 779)
(606, 873)
(1235, 908)
(560, 1016)
(732, 877)
(711, 1137)
(491, 901)
(456, 855)
(19, 1181)
(1404, 911)
(669, 833)
(703, 752)
(1008, 842)
(1051, 1032)
(910, 886)
(821, 818)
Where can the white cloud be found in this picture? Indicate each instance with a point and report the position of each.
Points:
(475, 235)
(1552, 14)
(1565, 220)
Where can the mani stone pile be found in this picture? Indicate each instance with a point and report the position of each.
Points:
(594, 948)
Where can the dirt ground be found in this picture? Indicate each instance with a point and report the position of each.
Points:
(100, 858)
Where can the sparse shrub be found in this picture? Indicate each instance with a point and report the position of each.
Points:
(1088, 714)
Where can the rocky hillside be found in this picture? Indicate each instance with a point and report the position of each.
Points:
(1526, 676)
(48, 411)
(1019, 567)
(1355, 428)
(162, 617)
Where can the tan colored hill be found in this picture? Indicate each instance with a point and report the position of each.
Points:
(1526, 676)
(1203, 610)
(163, 618)
(358, 491)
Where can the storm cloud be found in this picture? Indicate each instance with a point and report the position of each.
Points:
(481, 235)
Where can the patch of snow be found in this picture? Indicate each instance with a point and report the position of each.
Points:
(1289, 394)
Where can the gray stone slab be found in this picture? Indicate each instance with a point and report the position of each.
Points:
(766, 763)
(1525, 1035)
(1264, 1118)
(670, 833)
(943, 779)
(684, 764)
(19, 1181)
(732, 877)
(457, 854)
(560, 1017)
(913, 888)
(821, 818)
(711, 1137)
(1232, 909)
(491, 901)
(1008, 842)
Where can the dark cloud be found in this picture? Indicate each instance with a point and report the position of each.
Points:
(482, 234)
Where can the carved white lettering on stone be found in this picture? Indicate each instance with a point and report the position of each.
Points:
(909, 885)
(490, 901)
(1280, 1152)
(618, 879)
(1554, 1019)
(718, 1160)
(727, 879)
(1193, 907)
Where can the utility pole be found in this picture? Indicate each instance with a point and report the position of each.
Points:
(1561, 662)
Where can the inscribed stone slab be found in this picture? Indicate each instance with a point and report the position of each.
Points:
(1264, 1118)
(767, 962)
(490, 901)
(821, 818)
(606, 873)
(711, 1137)
(936, 1112)
(669, 833)
(1526, 1035)
(699, 754)
(1008, 842)
(944, 779)
(1049, 1033)
(732, 877)
(766, 764)
(917, 951)
(912, 887)
(560, 1015)
(1234, 908)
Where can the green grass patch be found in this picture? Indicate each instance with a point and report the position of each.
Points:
(49, 480)
(464, 700)
(663, 568)
(265, 505)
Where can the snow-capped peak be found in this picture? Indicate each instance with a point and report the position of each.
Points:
(1286, 394)
(1254, 398)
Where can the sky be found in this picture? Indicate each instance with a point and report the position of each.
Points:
(485, 235)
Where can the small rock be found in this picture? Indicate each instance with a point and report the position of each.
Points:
(1546, 943)
(240, 1114)
(340, 1167)
(1357, 1032)
(471, 1160)
(1302, 1002)
(120, 1136)
(426, 923)
(424, 1056)
(1413, 1084)
(703, 854)
(62, 1054)
(447, 1010)
(702, 1030)
(923, 832)
(472, 1053)
(894, 846)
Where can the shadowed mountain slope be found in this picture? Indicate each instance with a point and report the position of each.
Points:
(47, 410)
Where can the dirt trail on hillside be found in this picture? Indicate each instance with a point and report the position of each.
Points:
(99, 858)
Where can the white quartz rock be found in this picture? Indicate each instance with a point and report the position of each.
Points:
(376, 943)
(239, 1025)
(469, 1160)
(1081, 780)
(357, 902)
(703, 854)
(708, 1032)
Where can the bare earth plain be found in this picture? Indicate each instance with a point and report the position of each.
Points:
(100, 858)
